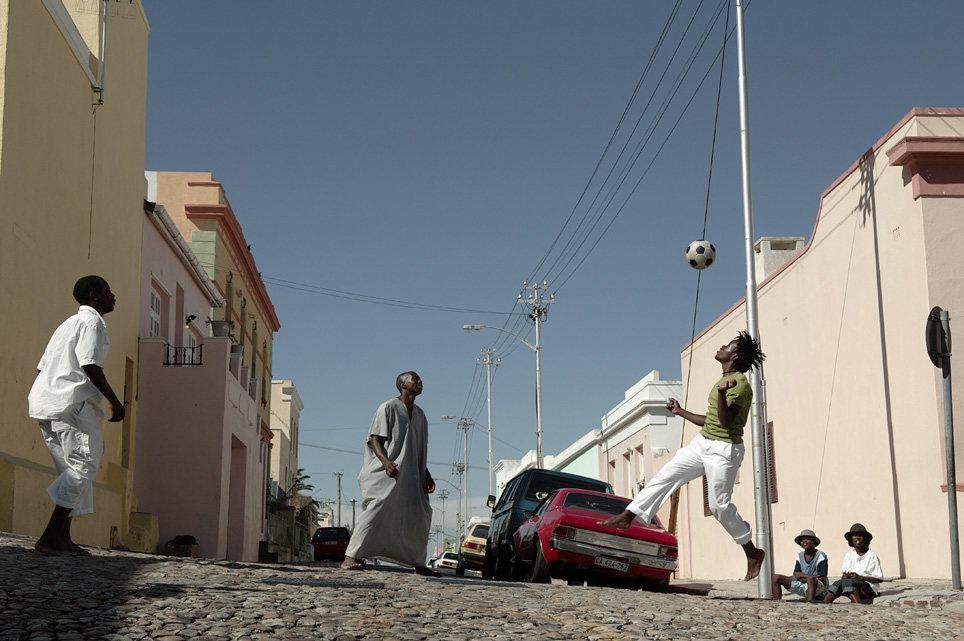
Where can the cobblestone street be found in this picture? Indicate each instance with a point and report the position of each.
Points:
(122, 596)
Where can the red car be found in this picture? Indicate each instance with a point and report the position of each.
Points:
(330, 542)
(562, 540)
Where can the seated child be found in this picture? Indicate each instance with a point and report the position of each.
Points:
(861, 570)
(809, 578)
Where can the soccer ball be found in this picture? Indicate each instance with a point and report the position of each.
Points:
(700, 254)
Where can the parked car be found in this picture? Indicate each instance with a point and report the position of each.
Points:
(563, 540)
(448, 560)
(519, 499)
(472, 552)
(330, 542)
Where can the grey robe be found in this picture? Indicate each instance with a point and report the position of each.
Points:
(396, 515)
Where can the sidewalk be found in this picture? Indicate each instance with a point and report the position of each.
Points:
(897, 593)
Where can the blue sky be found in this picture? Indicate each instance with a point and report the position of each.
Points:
(430, 152)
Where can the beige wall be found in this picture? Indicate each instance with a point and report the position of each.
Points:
(71, 203)
(855, 402)
(286, 406)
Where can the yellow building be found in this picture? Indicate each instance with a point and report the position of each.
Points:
(71, 203)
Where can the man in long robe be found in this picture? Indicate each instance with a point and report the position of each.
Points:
(395, 483)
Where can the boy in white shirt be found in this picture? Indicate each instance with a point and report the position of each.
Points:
(65, 399)
(861, 571)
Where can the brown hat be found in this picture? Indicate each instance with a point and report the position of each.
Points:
(807, 533)
(858, 528)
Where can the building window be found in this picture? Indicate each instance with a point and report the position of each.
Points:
(155, 314)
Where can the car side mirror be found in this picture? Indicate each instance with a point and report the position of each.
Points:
(526, 514)
(490, 502)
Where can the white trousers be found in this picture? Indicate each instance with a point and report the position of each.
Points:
(76, 446)
(717, 460)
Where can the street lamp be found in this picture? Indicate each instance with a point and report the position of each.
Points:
(468, 329)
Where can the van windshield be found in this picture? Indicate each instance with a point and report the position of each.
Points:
(541, 485)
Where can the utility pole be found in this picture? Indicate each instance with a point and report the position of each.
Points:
(459, 468)
(339, 475)
(486, 360)
(442, 495)
(465, 424)
(353, 515)
(539, 314)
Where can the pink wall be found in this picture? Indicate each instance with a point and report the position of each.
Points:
(160, 263)
(199, 458)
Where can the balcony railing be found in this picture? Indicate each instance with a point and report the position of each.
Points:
(183, 356)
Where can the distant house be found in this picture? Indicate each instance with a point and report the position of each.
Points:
(628, 449)
(202, 453)
(285, 427)
(854, 402)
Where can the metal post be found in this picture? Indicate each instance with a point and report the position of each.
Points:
(339, 474)
(353, 515)
(465, 515)
(540, 311)
(539, 460)
(488, 386)
(761, 483)
(442, 495)
(949, 451)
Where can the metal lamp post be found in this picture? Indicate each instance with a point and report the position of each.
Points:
(761, 482)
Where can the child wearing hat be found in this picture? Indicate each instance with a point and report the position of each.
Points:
(861, 570)
(809, 578)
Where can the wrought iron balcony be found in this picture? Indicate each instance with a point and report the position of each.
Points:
(183, 356)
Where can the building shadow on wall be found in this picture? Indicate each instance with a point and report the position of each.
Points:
(867, 210)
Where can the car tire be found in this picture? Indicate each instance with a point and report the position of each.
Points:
(657, 585)
(503, 565)
(540, 572)
(460, 568)
(488, 564)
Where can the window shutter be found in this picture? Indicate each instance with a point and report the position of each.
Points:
(771, 464)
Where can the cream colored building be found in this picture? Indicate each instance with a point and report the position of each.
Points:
(855, 403)
(71, 204)
(286, 406)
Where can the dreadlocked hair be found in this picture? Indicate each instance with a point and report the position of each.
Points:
(748, 352)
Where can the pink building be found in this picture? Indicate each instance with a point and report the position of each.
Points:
(855, 403)
(200, 456)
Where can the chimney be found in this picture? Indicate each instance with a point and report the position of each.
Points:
(773, 251)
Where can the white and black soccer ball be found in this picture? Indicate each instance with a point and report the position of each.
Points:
(700, 254)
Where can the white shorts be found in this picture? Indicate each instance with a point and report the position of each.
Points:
(76, 446)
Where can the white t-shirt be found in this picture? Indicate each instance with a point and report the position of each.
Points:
(866, 565)
(62, 382)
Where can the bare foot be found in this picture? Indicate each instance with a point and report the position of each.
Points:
(754, 561)
(426, 572)
(622, 521)
(350, 563)
(54, 548)
(78, 551)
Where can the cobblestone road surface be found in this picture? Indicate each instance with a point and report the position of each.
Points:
(119, 596)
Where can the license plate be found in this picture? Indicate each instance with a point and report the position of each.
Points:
(331, 542)
(612, 564)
